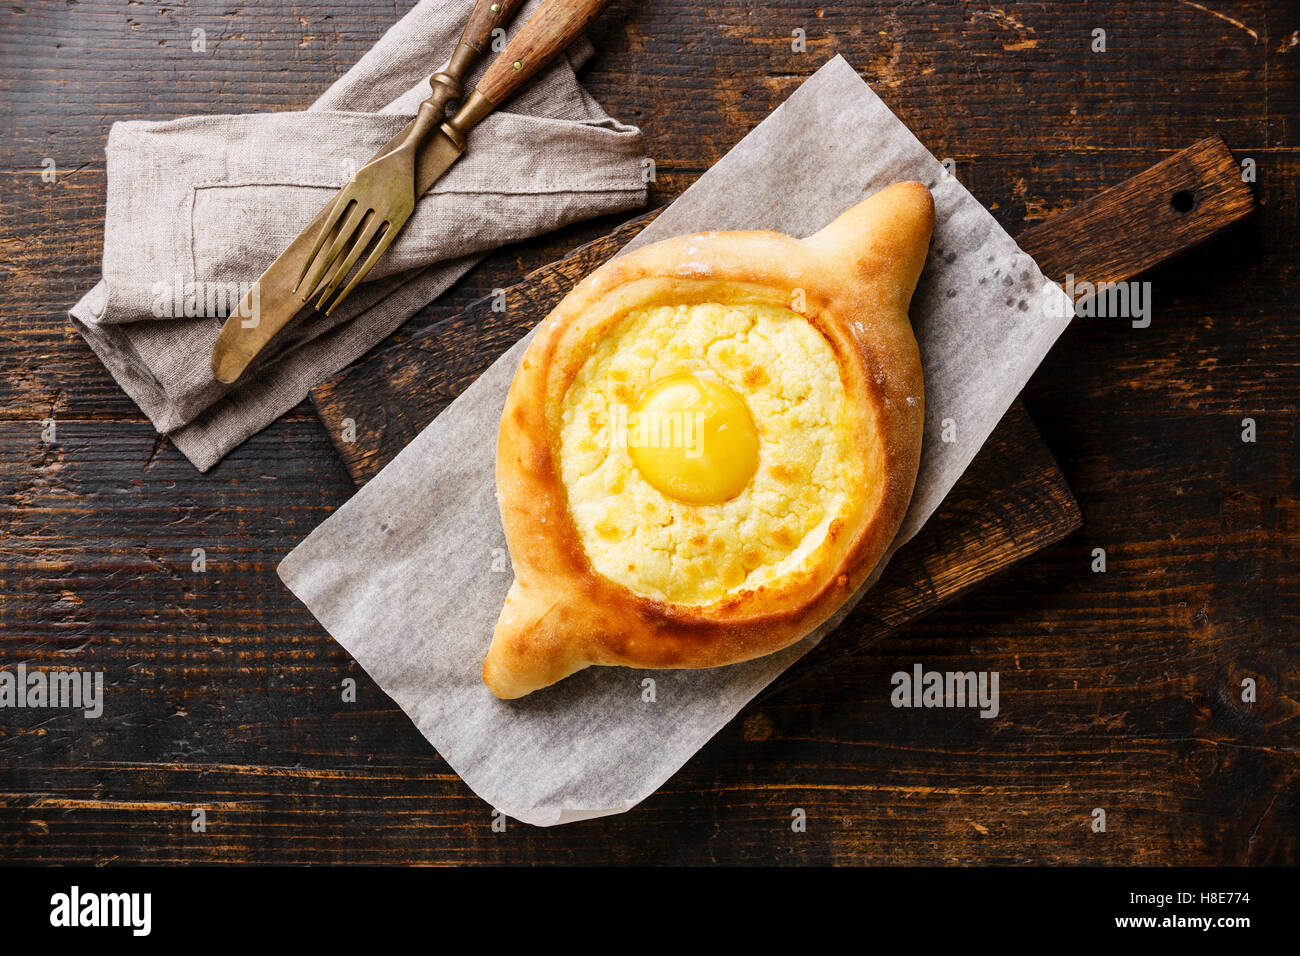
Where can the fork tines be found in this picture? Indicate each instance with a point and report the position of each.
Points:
(361, 230)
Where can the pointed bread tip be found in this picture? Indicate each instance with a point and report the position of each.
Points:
(887, 235)
(537, 641)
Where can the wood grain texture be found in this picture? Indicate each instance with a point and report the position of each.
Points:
(1170, 209)
(1119, 690)
(485, 17)
(555, 25)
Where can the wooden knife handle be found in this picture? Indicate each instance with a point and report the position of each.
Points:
(486, 16)
(548, 31)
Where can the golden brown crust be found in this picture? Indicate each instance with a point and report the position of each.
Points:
(857, 276)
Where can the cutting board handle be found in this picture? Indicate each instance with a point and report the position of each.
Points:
(1176, 205)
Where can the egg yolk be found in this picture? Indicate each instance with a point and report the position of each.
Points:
(693, 439)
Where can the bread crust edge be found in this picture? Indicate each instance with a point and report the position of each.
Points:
(857, 276)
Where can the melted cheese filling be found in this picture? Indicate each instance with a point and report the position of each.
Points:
(750, 523)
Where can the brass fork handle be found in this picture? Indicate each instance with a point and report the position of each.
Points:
(486, 17)
(352, 204)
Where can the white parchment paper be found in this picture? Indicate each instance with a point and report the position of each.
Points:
(403, 574)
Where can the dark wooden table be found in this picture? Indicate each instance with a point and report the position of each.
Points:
(1119, 690)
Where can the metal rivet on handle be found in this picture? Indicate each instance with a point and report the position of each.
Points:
(518, 65)
(495, 8)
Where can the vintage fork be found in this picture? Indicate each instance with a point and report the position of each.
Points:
(370, 211)
(372, 208)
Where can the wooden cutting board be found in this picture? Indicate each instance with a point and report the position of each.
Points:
(1012, 500)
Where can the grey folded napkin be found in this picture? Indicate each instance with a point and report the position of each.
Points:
(199, 207)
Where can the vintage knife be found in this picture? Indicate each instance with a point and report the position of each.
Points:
(271, 303)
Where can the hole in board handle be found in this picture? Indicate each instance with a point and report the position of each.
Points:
(1183, 200)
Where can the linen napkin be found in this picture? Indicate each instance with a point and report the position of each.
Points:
(199, 207)
(408, 576)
